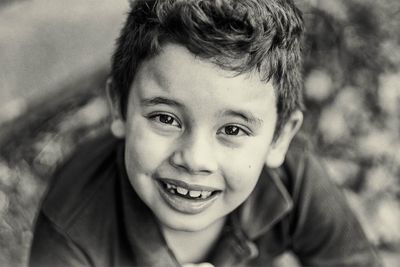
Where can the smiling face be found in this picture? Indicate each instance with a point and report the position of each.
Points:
(197, 137)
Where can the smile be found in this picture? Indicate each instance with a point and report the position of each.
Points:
(184, 192)
(187, 198)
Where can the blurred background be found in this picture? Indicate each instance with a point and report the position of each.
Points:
(54, 59)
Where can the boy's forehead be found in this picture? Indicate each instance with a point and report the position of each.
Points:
(175, 65)
(178, 59)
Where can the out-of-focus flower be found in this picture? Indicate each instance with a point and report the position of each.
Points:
(93, 112)
(391, 51)
(389, 92)
(376, 144)
(89, 115)
(350, 101)
(4, 202)
(12, 109)
(7, 176)
(318, 85)
(347, 115)
(50, 150)
(341, 171)
(380, 179)
(332, 125)
(28, 186)
(287, 259)
(335, 8)
(386, 220)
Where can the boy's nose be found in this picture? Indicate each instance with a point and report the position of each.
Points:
(195, 154)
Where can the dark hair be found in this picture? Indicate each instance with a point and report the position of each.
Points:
(241, 36)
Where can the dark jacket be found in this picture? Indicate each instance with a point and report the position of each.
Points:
(92, 216)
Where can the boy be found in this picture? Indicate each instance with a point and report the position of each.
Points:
(205, 98)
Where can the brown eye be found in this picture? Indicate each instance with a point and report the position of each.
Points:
(166, 119)
(232, 130)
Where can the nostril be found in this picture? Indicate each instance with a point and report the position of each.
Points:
(176, 160)
(192, 165)
(195, 155)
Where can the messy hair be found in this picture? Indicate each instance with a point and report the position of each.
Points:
(240, 36)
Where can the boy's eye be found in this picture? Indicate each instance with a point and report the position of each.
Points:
(233, 130)
(165, 119)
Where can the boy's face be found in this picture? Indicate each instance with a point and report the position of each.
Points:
(197, 137)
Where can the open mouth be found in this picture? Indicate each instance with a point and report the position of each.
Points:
(185, 198)
(185, 192)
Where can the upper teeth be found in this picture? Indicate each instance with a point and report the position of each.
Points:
(194, 193)
(185, 192)
(182, 191)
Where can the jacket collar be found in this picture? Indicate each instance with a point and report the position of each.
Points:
(268, 203)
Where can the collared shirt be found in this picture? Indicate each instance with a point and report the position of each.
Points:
(92, 216)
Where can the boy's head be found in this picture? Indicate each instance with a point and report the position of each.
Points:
(242, 36)
(205, 93)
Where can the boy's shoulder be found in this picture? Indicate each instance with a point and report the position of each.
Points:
(298, 206)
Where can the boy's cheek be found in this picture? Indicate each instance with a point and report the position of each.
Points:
(245, 165)
(239, 180)
(147, 149)
(243, 170)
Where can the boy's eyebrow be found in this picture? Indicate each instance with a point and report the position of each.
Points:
(245, 115)
(160, 101)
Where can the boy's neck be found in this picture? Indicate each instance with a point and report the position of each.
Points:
(193, 247)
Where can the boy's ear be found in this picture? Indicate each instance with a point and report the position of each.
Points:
(117, 124)
(279, 147)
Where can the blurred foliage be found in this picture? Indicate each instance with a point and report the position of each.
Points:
(352, 80)
(352, 88)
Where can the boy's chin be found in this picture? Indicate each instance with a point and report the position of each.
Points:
(193, 224)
